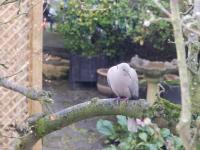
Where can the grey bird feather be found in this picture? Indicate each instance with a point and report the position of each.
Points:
(123, 81)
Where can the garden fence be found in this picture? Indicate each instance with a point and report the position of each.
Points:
(17, 52)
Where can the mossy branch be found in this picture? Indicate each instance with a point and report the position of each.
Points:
(89, 109)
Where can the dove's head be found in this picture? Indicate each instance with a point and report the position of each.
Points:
(124, 68)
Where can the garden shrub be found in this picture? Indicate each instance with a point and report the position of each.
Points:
(95, 27)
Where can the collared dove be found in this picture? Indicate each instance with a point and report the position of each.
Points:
(123, 81)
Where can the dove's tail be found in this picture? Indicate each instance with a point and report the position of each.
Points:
(132, 125)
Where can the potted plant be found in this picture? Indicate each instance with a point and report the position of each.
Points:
(93, 31)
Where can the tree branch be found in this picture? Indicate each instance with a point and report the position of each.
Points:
(43, 96)
(89, 109)
(162, 8)
(191, 29)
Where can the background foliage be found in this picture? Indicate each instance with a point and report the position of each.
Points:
(94, 27)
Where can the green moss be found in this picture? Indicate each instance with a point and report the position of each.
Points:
(43, 126)
(168, 104)
(173, 82)
(142, 82)
(40, 127)
(95, 108)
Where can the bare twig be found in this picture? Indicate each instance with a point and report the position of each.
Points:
(31, 93)
(19, 6)
(8, 76)
(5, 2)
(170, 41)
(188, 10)
(161, 90)
(4, 66)
(155, 20)
(191, 29)
(162, 19)
(162, 8)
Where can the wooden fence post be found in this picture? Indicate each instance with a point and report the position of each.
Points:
(36, 57)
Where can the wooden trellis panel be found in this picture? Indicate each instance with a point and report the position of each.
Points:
(16, 52)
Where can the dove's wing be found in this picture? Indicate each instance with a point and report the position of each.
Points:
(134, 86)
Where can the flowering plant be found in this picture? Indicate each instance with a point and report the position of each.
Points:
(147, 137)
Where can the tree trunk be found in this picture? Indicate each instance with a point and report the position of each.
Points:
(185, 119)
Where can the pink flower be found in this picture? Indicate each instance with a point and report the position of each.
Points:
(168, 144)
(140, 122)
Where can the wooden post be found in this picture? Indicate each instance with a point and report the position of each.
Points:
(36, 57)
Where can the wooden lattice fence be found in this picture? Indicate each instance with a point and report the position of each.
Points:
(17, 53)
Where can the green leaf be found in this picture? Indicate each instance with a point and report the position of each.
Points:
(143, 136)
(122, 121)
(178, 144)
(198, 146)
(151, 146)
(159, 143)
(150, 131)
(165, 132)
(105, 127)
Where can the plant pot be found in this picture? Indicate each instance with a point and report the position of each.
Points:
(102, 84)
(172, 93)
(172, 89)
(83, 69)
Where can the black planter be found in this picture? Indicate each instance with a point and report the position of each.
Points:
(142, 92)
(172, 93)
(83, 69)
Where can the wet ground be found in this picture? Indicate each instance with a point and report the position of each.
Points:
(81, 135)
